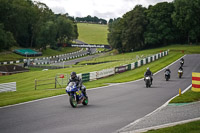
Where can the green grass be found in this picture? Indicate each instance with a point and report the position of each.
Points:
(51, 52)
(191, 127)
(93, 33)
(48, 52)
(10, 57)
(188, 96)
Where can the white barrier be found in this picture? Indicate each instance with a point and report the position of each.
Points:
(79, 75)
(8, 87)
(105, 73)
(153, 58)
(149, 59)
(93, 75)
(139, 63)
(144, 61)
(133, 65)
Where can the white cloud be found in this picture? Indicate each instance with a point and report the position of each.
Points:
(101, 8)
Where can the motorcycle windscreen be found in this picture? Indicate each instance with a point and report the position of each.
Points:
(70, 86)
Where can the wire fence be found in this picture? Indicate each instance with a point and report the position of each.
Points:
(59, 81)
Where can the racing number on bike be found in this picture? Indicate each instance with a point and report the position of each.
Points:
(78, 93)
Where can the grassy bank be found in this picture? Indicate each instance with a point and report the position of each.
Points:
(92, 33)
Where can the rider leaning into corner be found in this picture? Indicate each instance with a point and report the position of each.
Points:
(149, 73)
(78, 81)
(167, 69)
(182, 59)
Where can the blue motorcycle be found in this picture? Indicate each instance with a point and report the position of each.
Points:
(76, 96)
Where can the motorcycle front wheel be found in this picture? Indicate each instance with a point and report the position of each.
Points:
(73, 101)
(166, 78)
(147, 85)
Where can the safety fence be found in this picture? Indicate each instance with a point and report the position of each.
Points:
(47, 60)
(5, 87)
(60, 81)
(119, 69)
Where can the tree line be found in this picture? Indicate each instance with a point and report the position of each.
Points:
(90, 19)
(32, 24)
(162, 24)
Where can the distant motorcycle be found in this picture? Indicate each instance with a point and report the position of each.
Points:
(167, 75)
(180, 73)
(147, 80)
(181, 63)
(76, 96)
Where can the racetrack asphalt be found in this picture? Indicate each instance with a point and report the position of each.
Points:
(110, 108)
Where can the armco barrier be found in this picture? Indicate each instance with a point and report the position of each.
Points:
(8, 87)
(93, 75)
(147, 61)
(129, 66)
(105, 73)
(85, 77)
(42, 58)
(136, 64)
(133, 65)
(142, 62)
(139, 63)
(79, 75)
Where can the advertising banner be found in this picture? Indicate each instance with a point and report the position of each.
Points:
(121, 69)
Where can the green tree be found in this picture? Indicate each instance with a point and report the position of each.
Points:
(47, 35)
(187, 18)
(127, 34)
(114, 35)
(160, 29)
(6, 39)
(134, 24)
(66, 29)
(41, 15)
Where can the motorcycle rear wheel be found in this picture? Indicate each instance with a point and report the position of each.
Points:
(85, 101)
(180, 75)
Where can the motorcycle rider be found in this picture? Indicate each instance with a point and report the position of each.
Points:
(78, 81)
(167, 69)
(182, 61)
(148, 73)
(180, 68)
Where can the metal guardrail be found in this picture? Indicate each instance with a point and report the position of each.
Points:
(5, 87)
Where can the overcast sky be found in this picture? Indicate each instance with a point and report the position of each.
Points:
(105, 9)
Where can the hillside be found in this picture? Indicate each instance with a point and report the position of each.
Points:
(92, 33)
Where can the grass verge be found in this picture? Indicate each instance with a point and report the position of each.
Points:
(187, 97)
(191, 127)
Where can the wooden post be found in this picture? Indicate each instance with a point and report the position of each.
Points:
(35, 84)
(55, 81)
